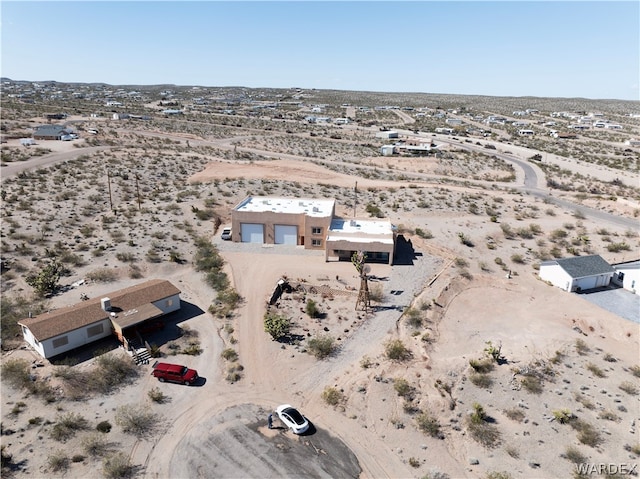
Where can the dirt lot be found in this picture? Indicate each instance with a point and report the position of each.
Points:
(392, 417)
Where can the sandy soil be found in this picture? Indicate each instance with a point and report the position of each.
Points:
(219, 429)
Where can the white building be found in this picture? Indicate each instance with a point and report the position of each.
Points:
(627, 275)
(119, 313)
(578, 273)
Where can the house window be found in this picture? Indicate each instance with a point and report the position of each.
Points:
(316, 242)
(168, 303)
(95, 330)
(316, 230)
(59, 342)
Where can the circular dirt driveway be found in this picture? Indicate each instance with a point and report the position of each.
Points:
(237, 443)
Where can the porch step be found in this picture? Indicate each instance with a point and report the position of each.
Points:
(142, 356)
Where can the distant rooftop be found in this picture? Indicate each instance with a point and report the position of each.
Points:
(308, 206)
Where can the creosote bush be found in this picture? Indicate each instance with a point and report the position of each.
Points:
(321, 346)
(117, 466)
(136, 419)
(332, 396)
(429, 424)
(395, 350)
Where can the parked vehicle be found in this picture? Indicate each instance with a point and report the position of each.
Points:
(226, 234)
(292, 418)
(174, 373)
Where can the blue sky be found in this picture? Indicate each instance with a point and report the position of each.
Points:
(506, 48)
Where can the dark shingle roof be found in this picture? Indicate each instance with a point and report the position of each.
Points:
(583, 266)
(63, 320)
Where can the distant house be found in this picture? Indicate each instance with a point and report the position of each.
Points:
(387, 150)
(627, 275)
(119, 313)
(578, 273)
(387, 134)
(51, 132)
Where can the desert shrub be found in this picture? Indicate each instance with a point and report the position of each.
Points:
(482, 365)
(563, 416)
(102, 275)
(481, 380)
(517, 258)
(157, 396)
(15, 372)
(595, 370)
(312, 309)
(277, 325)
(629, 388)
(465, 240)
(35, 421)
(581, 347)
(515, 414)
(111, 372)
(95, 445)
(532, 384)
(396, 350)
(321, 346)
(136, 419)
(557, 357)
(414, 317)
(230, 354)
(366, 362)
(617, 247)
(425, 234)
(587, 434)
(332, 396)
(104, 426)
(481, 428)
(58, 461)
(234, 372)
(403, 388)
(586, 402)
(609, 416)
(413, 462)
(428, 424)
(512, 451)
(117, 466)
(77, 458)
(67, 425)
(574, 455)
(498, 475)
(635, 370)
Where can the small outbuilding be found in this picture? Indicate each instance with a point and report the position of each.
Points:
(627, 275)
(578, 273)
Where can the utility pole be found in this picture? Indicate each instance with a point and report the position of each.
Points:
(109, 183)
(138, 192)
(355, 199)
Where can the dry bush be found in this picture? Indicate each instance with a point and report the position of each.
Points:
(629, 388)
(58, 461)
(574, 455)
(429, 424)
(332, 396)
(67, 425)
(102, 275)
(136, 419)
(396, 350)
(321, 346)
(481, 380)
(515, 414)
(117, 466)
(95, 445)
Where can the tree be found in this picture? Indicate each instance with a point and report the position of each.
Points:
(276, 325)
(46, 281)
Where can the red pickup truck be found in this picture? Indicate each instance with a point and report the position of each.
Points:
(174, 373)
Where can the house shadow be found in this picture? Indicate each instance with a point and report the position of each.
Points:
(405, 254)
(167, 328)
(171, 329)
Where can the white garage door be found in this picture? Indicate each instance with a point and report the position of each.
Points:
(286, 234)
(252, 232)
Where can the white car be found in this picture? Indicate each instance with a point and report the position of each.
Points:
(292, 418)
(226, 234)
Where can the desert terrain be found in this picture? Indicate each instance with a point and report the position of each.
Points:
(406, 389)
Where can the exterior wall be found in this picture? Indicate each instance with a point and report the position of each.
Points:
(168, 305)
(631, 280)
(74, 339)
(556, 276)
(269, 219)
(369, 247)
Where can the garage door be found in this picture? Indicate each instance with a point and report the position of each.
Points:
(286, 234)
(252, 232)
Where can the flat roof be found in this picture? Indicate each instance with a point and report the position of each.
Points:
(350, 226)
(307, 206)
